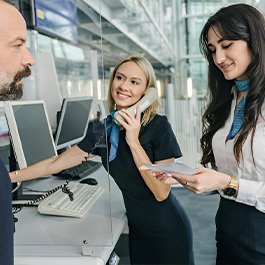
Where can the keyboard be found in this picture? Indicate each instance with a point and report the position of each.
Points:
(60, 204)
(79, 171)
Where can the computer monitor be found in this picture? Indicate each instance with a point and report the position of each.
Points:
(73, 121)
(30, 131)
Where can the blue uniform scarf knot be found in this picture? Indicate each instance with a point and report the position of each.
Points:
(238, 121)
(113, 133)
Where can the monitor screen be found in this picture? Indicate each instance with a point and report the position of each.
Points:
(30, 131)
(73, 121)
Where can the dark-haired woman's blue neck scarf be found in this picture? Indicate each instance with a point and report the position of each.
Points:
(238, 121)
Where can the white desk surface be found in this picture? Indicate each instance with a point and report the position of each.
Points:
(42, 239)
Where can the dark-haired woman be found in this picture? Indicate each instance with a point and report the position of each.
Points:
(233, 141)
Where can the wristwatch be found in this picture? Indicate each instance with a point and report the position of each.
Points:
(231, 188)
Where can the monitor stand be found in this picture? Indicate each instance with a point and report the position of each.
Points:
(19, 196)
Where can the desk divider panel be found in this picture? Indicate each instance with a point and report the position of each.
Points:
(92, 235)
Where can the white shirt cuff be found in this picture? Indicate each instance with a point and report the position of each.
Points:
(247, 192)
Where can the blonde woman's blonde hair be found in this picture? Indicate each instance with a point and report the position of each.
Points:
(149, 72)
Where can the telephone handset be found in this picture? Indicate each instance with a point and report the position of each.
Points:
(150, 96)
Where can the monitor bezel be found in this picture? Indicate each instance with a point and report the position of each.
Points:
(13, 129)
(60, 123)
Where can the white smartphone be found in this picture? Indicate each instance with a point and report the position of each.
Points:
(150, 96)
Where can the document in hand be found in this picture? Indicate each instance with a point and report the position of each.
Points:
(171, 167)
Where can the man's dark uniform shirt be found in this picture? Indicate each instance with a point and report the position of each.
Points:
(6, 218)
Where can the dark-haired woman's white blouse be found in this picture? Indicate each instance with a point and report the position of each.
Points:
(251, 175)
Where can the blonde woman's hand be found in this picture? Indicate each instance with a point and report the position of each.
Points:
(132, 125)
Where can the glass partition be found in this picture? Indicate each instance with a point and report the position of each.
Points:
(64, 69)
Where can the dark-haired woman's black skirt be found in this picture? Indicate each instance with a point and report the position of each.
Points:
(240, 234)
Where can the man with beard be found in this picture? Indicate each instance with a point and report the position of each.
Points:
(15, 60)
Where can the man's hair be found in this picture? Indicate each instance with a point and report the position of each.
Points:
(7, 2)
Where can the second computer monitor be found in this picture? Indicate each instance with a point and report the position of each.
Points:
(73, 121)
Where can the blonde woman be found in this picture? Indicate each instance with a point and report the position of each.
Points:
(159, 229)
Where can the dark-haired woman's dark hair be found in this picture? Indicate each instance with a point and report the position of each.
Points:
(235, 22)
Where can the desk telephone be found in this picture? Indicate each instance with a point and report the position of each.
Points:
(149, 97)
